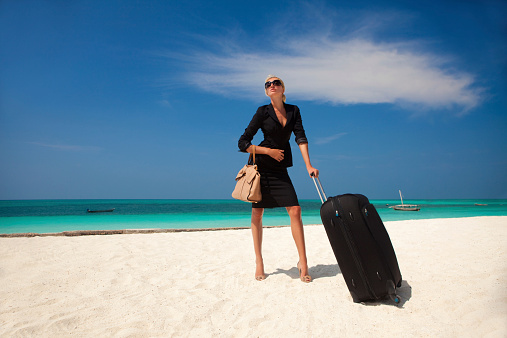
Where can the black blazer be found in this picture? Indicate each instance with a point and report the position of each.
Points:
(275, 136)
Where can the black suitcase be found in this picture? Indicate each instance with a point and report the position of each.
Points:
(361, 246)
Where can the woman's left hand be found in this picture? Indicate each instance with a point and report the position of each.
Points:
(312, 171)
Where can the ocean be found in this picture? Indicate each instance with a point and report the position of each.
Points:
(51, 216)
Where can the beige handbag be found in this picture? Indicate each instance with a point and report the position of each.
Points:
(248, 183)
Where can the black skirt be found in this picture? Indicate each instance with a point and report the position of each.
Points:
(277, 190)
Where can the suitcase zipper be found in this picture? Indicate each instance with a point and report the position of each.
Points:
(380, 253)
(346, 234)
(391, 283)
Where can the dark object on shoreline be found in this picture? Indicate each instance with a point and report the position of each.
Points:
(95, 211)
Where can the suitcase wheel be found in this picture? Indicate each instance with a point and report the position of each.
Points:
(392, 292)
(395, 298)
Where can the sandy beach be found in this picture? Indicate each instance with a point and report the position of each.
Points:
(202, 284)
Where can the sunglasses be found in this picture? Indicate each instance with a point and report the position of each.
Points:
(274, 82)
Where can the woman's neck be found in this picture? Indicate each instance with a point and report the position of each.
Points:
(277, 103)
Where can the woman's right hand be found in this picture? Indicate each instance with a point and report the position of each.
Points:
(277, 154)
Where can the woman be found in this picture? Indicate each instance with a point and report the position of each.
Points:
(277, 121)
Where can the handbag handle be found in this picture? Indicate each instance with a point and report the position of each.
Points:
(253, 153)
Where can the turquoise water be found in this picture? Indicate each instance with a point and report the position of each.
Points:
(47, 216)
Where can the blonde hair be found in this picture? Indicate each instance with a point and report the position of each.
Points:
(275, 77)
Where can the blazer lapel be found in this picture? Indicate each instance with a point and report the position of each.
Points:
(289, 110)
(271, 112)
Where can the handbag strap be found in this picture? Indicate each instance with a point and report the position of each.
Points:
(252, 155)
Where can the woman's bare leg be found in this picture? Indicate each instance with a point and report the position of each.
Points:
(296, 225)
(257, 239)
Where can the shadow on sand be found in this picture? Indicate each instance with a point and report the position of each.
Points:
(318, 271)
(331, 270)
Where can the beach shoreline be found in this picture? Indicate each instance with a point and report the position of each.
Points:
(74, 233)
(201, 282)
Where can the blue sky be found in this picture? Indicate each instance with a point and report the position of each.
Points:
(147, 99)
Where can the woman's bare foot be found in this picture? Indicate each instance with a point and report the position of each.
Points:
(303, 275)
(259, 271)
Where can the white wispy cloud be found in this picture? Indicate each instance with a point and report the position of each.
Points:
(343, 72)
(354, 69)
(325, 140)
(66, 147)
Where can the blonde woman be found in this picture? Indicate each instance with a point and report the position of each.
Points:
(277, 121)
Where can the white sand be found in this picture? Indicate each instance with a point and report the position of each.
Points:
(202, 284)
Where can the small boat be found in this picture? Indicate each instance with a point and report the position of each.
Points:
(480, 204)
(406, 207)
(94, 211)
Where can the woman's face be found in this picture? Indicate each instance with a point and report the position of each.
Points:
(274, 89)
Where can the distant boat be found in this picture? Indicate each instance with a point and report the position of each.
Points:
(94, 211)
(406, 207)
(480, 204)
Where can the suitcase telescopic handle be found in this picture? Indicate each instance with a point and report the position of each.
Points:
(320, 190)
